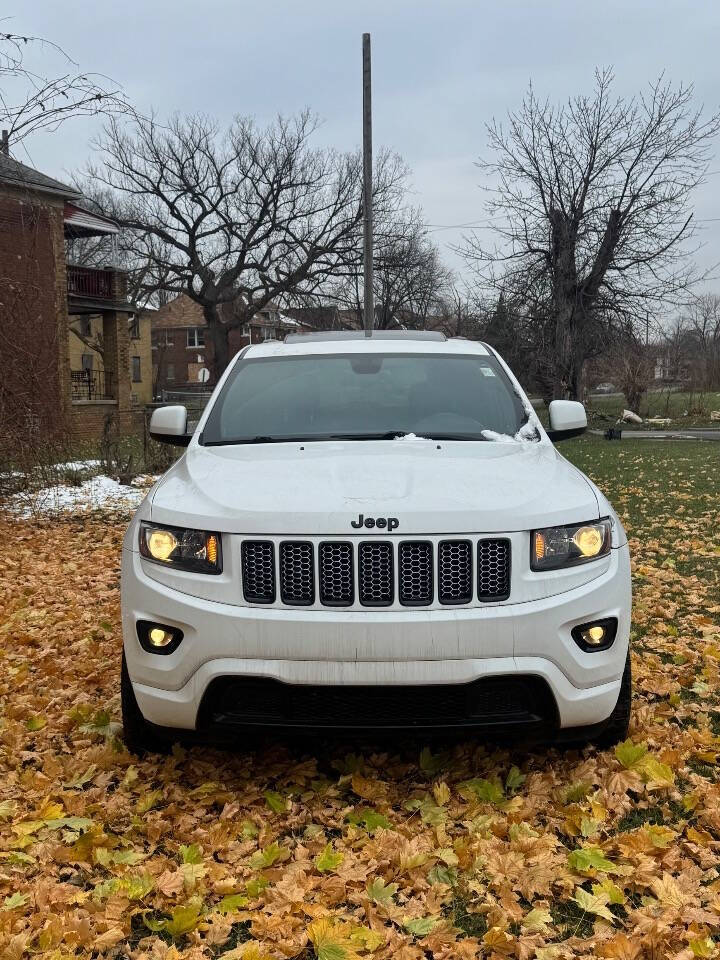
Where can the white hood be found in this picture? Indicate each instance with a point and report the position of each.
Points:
(319, 488)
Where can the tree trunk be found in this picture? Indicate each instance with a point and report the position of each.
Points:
(219, 334)
(563, 359)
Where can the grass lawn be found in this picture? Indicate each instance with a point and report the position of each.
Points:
(686, 410)
(338, 851)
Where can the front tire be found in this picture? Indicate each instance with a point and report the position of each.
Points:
(619, 722)
(138, 736)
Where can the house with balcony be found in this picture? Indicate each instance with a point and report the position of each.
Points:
(71, 344)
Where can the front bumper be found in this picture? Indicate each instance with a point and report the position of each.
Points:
(338, 648)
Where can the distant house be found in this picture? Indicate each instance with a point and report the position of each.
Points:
(182, 348)
(55, 381)
(670, 369)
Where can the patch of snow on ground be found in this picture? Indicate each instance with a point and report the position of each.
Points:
(79, 465)
(97, 493)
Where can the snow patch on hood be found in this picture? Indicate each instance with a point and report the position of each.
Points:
(527, 432)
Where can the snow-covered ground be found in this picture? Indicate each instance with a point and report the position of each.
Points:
(96, 493)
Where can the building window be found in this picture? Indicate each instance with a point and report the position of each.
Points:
(268, 333)
(162, 338)
(196, 337)
(87, 361)
(170, 375)
(85, 326)
(136, 373)
(135, 327)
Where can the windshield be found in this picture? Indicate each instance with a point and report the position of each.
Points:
(364, 396)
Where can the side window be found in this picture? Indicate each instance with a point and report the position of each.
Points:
(136, 373)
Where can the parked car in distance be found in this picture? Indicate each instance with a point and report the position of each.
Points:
(374, 532)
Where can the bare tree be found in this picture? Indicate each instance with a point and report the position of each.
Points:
(702, 319)
(592, 211)
(239, 218)
(409, 278)
(629, 362)
(32, 101)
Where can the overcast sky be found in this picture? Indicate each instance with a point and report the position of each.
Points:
(440, 71)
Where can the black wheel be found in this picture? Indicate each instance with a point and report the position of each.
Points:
(138, 735)
(617, 727)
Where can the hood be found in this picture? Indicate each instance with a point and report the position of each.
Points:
(428, 487)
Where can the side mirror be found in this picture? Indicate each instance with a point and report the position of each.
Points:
(567, 419)
(169, 425)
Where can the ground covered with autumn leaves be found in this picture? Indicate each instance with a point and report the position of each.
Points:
(339, 851)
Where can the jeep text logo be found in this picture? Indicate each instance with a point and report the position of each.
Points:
(391, 523)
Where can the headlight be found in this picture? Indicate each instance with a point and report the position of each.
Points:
(556, 547)
(183, 549)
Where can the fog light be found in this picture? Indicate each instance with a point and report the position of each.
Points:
(596, 635)
(157, 637)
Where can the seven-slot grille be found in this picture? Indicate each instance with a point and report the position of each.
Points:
(455, 571)
(415, 573)
(258, 571)
(456, 581)
(493, 569)
(375, 571)
(337, 574)
(297, 574)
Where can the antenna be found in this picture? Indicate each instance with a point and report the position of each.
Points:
(368, 304)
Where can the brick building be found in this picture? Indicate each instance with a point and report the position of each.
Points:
(42, 298)
(182, 349)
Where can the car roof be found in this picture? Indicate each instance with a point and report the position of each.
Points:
(334, 342)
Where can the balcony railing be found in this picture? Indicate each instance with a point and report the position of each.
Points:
(89, 282)
(90, 385)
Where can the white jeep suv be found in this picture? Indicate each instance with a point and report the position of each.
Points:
(374, 532)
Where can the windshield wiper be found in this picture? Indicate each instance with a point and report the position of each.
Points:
(455, 436)
(388, 435)
(259, 439)
(399, 434)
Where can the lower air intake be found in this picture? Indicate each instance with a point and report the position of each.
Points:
(242, 701)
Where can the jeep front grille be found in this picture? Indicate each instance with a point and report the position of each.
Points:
(258, 571)
(297, 574)
(493, 569)
(455, 571)
(375, 569)
(337, 574)
(415, 573)
(406, 570)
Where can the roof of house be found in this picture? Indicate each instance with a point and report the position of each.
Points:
(16, 174)
(82, 222)
(184, 312)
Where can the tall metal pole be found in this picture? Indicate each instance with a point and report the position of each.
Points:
(368, 302)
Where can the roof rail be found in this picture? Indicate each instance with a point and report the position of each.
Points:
(325, 335)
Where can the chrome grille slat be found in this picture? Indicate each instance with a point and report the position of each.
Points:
(258, 571)
(376, 574)
(455, 581)
(415, 564)
(297, 573)
(493, 569)
(337, 574)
